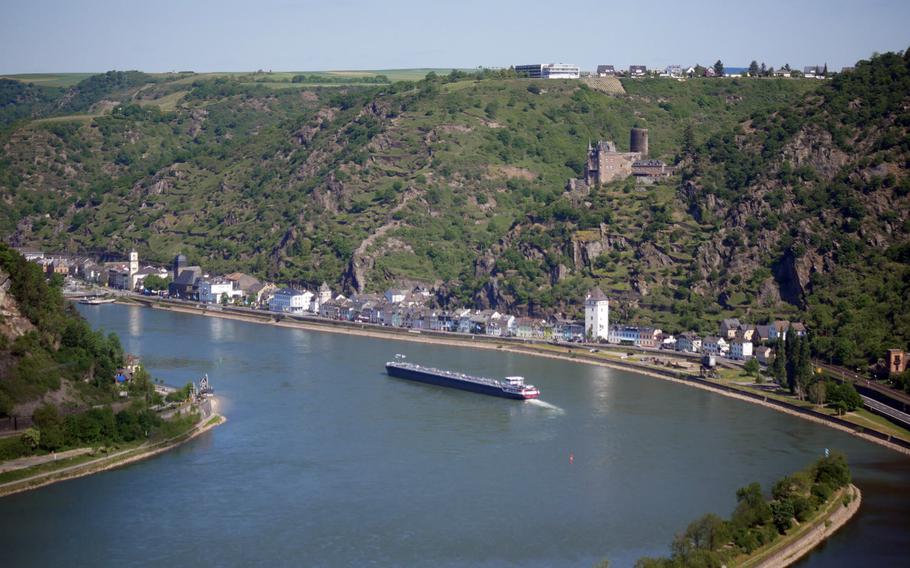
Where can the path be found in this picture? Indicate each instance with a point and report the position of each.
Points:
(22, 463)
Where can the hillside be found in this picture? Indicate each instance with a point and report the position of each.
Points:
(458, 182)
(47, 351)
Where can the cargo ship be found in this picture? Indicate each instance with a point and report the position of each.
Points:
(510, 387)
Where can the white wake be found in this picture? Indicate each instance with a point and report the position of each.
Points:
(546, 405)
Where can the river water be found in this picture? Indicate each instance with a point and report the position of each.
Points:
(326, 461)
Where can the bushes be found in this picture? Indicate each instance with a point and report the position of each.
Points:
(97, 426)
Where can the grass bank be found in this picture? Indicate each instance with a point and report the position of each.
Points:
(47, 473)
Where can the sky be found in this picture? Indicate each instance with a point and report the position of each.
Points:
(43, 36)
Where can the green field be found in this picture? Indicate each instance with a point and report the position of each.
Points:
(49, 79)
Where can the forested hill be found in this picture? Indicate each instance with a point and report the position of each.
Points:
(459, 182)
(46, 348)
(814, 199)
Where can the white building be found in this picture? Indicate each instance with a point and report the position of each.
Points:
(549, 71)
(289, 300)
(597, 315)
(396, 295)
(741, 349)
(212, 290)
(715, 345)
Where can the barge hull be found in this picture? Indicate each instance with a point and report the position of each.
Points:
(429, 378)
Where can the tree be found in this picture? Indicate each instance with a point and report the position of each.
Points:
(753, 68)
(689, 140)
(719, 68)
(49, 423)
(782, 513)
(752, 509)
(31, 438)
(751, 367)
(155, 282)
(817, 392)
(779, 365)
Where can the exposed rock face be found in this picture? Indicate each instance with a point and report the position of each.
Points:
(12, 323)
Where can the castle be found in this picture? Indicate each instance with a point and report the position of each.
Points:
(606, 164)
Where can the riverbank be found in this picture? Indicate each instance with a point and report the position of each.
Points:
(111, 461)
(565, 353)
(796, 545)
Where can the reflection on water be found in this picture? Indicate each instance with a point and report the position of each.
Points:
(327, 461)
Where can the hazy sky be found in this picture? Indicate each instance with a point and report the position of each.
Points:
(303, 35)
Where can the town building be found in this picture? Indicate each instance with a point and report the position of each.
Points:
(688, 342)
(217, 290)
(184, 278)
(396, 295)
(597, 315)
(674, 71)
(548, 71)
(638, 71)
(715, 346)
(740, 349)
(728, 328)
(764, 354)
(289, 300)
(897, 361)
(606, 71)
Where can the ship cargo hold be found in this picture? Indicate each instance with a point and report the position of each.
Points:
(510, 387)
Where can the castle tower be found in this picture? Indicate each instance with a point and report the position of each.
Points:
(638, 141)
(134, 262)
(597, 315)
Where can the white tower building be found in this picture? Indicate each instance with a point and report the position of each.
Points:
(597, 315)
(134, 262)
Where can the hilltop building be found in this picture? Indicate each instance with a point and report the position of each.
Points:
(606, 71)
(605, 164)
(549, 71)
(597, 315)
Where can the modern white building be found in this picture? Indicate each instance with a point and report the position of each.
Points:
(549, 71)
(211, 290)
(289, 300)
(597, 315)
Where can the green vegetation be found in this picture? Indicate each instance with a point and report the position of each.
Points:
(791, 199)
(58, 345)
(757, 521)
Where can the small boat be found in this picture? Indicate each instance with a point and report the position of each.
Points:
(96, 301)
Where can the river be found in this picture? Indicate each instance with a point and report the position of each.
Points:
(326, 461)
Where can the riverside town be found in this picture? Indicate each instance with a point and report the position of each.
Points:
(321, 284)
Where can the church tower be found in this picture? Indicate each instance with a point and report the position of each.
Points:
(134, 262)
